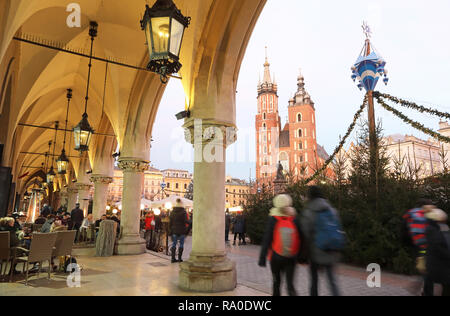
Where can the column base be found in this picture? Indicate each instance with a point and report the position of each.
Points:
(208, 273)
(131, 245)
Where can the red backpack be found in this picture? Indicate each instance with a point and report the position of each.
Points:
(286, 238)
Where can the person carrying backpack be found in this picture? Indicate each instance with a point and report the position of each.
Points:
(325, 238)
(283, 242)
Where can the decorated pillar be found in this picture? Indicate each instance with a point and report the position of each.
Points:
(208, 268)
(72, 198)
(101, 184)
(131, 242)
(83, 196)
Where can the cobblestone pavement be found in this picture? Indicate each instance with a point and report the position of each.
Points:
(351, 280)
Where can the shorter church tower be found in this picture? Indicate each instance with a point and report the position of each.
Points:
(302, 132)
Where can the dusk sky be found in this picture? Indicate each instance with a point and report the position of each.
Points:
(324, 38)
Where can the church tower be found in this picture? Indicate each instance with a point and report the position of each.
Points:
(302, 132)
(267, 127)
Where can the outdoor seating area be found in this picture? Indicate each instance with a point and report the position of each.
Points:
(45, 249)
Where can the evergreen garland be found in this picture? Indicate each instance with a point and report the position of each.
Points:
(341, 144)
(412, 105)
(414, 124)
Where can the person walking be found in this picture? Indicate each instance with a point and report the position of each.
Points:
(438, 250)
(415, 225)
(283, 241)
(177, 223)
(77, 217)
(227, 225)
(239, 229)
(149, 228)
(311, 220)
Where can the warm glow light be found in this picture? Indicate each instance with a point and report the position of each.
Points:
(157, 212)
(168, 205)
(120, 207)
(108, 207)
(142, 206)
(114, 211)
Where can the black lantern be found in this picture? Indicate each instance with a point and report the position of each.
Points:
(51, 176)
(63, 162)
(164, 27)
(83, 133)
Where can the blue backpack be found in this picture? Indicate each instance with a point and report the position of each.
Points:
(328, 231)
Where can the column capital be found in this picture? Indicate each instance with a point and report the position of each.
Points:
(133, 165)
(72, 190)
(206, 131)
(98, 178)
(83, 186)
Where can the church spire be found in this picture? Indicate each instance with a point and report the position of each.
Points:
(267, 78)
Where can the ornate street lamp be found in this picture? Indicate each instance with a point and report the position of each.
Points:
(164, 27)
(83, 131)
(63, 162)
(51, 174)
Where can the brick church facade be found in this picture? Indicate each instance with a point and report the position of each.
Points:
(294, 145)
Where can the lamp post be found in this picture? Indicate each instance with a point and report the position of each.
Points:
(368, 70)
(51, 174)
(164, 27)
(63, 162)
(83, 131)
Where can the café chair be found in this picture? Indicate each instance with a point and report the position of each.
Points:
(64, 244)
(5, 252)
(42, 246)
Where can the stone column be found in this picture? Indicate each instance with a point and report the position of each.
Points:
(83, 196)
(72, 198)
(131, 242)
(208, 268)
(101, 184)
(64, 198)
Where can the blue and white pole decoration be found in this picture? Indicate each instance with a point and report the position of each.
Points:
(369, 66)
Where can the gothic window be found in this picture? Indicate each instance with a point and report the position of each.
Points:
(299, 117)
(264, 116)
(264, 126)
(299, 133)
(300, 146)
(301, 158)
(264, 103)
(271, 103)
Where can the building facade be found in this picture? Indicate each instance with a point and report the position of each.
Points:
(294, 145)
(236, 192)
(411, 155)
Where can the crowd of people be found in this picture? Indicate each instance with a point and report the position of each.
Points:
(315, 237)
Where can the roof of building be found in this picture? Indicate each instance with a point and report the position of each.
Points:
(322, 153)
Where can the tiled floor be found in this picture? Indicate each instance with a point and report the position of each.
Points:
(152, 274)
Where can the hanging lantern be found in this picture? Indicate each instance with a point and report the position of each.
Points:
(164, 27)
(83, 134)
(62, 163)
(51, 176)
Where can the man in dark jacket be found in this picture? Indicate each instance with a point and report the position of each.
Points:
(438, 250)
(45, 212)
(227, 225)
(177, 226)
(239, 229)
(77, 217)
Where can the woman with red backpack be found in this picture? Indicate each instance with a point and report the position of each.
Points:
(283, 242)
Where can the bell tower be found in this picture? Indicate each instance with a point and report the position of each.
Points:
(302, 132)
(267, 125)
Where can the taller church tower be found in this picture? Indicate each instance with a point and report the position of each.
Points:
(267, 127)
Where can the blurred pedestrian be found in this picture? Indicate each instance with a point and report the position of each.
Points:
(438, 250)
(77, 217)
(415, 225)
(317, 209)
(282, 240)
(150, 224)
